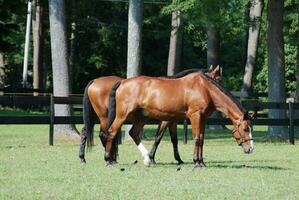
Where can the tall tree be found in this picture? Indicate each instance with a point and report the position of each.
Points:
(134, 59)
(276, 65)
(175, 44)
(297, 88)
(72, 52)
(213, 48)
(60, 68)
(255, 13)
(2, 70)
(37, 30)
(297, 67)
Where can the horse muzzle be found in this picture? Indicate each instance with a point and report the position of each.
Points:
(248, 150)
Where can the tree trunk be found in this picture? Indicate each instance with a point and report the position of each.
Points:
(2, 70)
(213, 59)
(61, 83)
(297, 88)
(27, 46)
(276, 67)
(37, 29)
(297, 71)
(255, 14)
(175, 45)
(213, 46)
(134, 59)
(72, 53)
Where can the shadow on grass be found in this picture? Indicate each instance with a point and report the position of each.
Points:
(248, 167)
(227, 165)
(149, 134)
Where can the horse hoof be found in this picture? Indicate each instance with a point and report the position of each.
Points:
(180, 162)
(153, 161)
(199, 165)
(147, 162)
(83, 161)
(111, 163)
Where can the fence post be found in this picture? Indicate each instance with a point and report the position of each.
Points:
(291, 122)
(185, 138)
(52, 115)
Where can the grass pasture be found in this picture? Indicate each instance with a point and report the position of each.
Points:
(31, 169)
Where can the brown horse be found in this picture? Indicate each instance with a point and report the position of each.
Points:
(95, 105)
(194, 96)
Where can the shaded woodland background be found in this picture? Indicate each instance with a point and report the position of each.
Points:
(75, 41)
(99, 43)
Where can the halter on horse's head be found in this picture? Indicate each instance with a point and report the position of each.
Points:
(241, 119)
(242, 132)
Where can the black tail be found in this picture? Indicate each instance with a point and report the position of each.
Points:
(112, 104)
(111, 117)
(88, 116)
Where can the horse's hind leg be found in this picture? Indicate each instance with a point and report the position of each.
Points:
(159, 134)
(82, 146)
(110, 139)
(135, 134)
(103, 131)
(174, 139)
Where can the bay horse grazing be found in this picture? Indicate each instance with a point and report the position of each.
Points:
(95, 105)
(194, 96)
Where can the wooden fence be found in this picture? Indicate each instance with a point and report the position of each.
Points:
(51, 119)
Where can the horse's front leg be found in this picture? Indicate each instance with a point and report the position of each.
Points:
(198, 135)
(135, 134)
(201, 142)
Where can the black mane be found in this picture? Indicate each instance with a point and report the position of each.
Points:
(225, 91)
(186, 72)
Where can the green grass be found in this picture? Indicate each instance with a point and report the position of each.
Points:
(30, 169)
(20, 112)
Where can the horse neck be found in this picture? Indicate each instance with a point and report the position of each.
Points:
(226, 104)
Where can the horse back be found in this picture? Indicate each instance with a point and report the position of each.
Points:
(98, 93)
(159, 97)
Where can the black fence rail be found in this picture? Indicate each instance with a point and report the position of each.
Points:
(51, 119)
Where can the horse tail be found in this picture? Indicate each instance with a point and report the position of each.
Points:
(88, 116)
(112, 104)
(111, 117)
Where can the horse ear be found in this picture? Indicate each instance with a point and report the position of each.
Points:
(217, 70)
(252, 115)
(211, 68)
(249, 115)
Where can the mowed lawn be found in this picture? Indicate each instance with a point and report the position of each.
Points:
(31, 169)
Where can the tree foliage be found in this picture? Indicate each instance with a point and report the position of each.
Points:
(101, 39)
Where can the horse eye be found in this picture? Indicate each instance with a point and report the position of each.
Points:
(246, 129)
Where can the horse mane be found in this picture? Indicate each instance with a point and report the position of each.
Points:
(225, 91)
(186, 72)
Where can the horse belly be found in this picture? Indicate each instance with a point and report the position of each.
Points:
(165, 116)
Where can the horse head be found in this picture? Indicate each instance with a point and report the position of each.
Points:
(242, 132)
